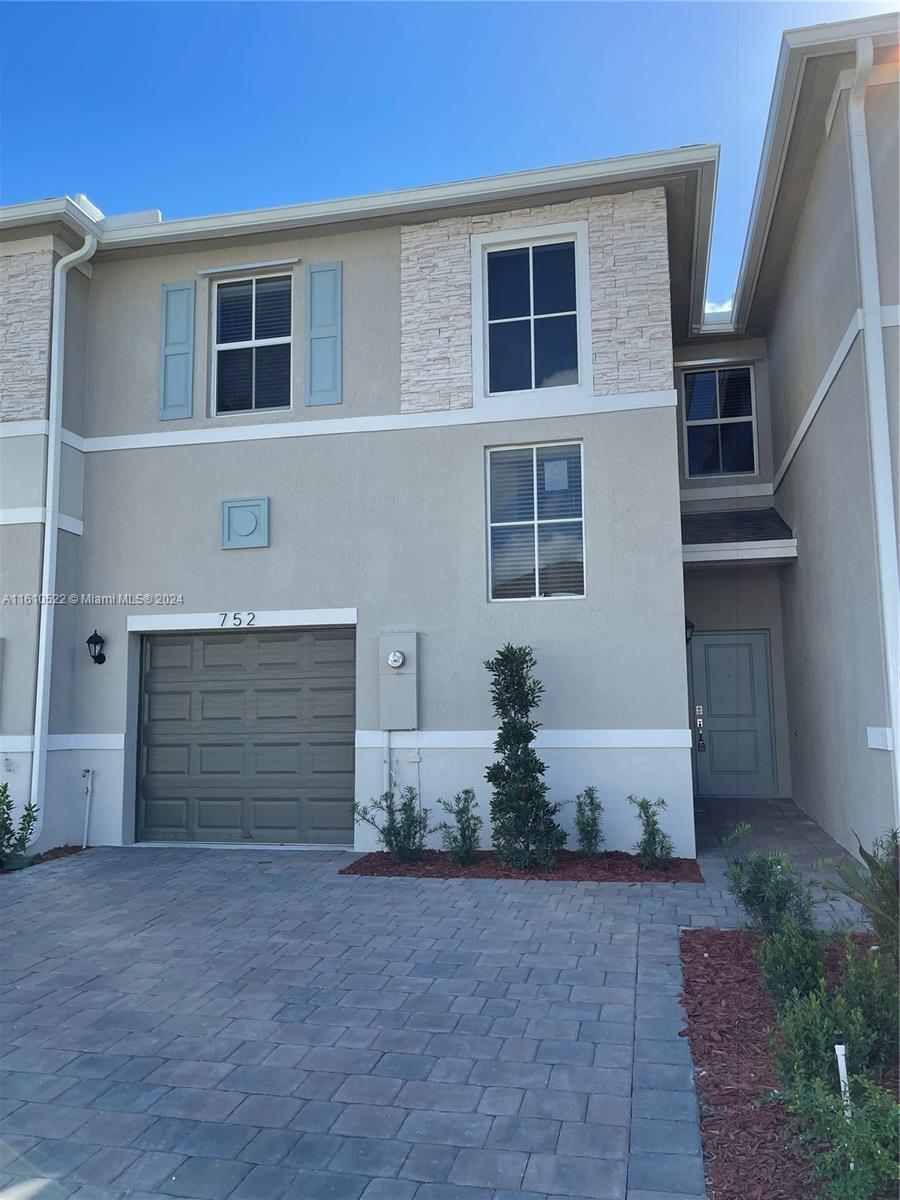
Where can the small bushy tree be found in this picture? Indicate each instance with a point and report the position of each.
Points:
(767, 885)
(525, 830)
(791, 961)
(401, 828)
(14, 838)
(654, 848)
(588, 814)
(462, 836)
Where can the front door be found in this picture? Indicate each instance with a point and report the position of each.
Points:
(732, 695)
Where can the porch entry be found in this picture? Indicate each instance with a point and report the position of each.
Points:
(731, 692)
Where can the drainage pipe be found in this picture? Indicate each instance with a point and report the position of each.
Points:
(876, 391)
(88, 776)
(51, 526)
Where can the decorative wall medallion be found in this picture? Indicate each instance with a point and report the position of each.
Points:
(245, 523)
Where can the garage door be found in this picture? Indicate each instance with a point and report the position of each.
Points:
(248, 737)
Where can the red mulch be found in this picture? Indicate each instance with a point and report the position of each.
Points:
(614, 867)
(746, 1154)
(55, 852)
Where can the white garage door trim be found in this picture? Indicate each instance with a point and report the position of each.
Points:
(271, 619)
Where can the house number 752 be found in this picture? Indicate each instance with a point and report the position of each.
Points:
(237, 618)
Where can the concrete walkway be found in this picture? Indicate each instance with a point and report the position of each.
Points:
(250, 1025)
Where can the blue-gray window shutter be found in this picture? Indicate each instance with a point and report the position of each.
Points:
(176, 369)
(323, 333)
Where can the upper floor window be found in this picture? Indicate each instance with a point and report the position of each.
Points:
(720, 422)
(253, 344)
(531, 309)
(535, 515)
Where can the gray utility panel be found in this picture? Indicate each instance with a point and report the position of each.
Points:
(248, 736)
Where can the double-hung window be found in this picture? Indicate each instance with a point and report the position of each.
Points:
(532, 315)
(719, 415)
(536, 522)
(253, 344)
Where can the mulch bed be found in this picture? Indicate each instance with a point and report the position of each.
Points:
(55, 852)
(746, 1154)
(571, 866)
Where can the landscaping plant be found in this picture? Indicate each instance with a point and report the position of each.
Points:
(654, 848)
(791, 960)
(768, 887)
(525, 831)
(869, 983)
(875, 886)
(462, 837)
(14, 838)
(868, 1140)
(401, 828)
(810, 1027)
(588, 814)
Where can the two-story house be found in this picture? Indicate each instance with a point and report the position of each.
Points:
(303, 469)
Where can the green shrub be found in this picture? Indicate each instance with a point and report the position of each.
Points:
(810, 1026)
(791, 960)
(768, 887)
(14, 838)
(869, 983)
(525, 830)
(401, 828)
(654, 848)
(588, 815)
(875, 886)
(868, 1141)
(462, 838)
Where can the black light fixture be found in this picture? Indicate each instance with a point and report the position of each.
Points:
(688, 629)
(95, 646)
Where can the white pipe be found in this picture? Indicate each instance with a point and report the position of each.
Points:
(841, 1053)
(51, 526)
(876, 389)
(88, 775)
(387, 784)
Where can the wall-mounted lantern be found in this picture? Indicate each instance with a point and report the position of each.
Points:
(688, 629)
(95, 646)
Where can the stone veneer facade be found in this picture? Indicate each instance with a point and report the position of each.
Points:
(26, 290)
(631, 331)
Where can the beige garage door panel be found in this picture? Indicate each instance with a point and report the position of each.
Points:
(248, 737)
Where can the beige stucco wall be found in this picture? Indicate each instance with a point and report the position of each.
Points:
(20, 572)
(884, 161)
(747, 597)
(26, 288)
(819, 292)
(123, 350)
(629, 285)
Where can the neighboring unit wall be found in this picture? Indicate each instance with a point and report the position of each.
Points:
(746, 598)
(26, 287)
(630, 307)
(834, 652)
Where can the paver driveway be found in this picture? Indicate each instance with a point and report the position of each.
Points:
(214, 1023)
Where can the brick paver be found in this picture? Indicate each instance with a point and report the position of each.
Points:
(215, 1023)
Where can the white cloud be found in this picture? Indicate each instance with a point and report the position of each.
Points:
(725, 307)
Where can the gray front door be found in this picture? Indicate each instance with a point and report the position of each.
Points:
(731, 683)
(248, 736)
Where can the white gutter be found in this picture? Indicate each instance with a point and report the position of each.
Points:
(876, 390)
(51, 530)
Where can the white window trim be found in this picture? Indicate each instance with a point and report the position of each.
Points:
(510, 239)
(217, 346)
(685, 424)
(533, 447)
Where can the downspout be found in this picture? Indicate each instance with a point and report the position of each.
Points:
(876, 389)
(51, 525)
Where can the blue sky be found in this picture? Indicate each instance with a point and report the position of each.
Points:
(212, 107)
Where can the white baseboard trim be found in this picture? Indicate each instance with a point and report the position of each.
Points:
(24, 743)
(547, 739)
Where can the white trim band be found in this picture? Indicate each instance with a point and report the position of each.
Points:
(38, 516)
(274, 619)
(24, 743)
(506, 408)
(879, 737)
(776, 550)
(546, 739)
